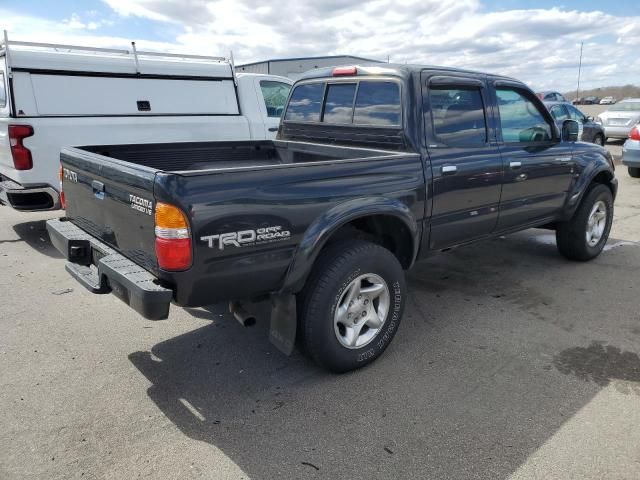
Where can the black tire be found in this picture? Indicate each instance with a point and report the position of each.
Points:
(634, 172)
(337, 267)
(571, 235)
(599, 140)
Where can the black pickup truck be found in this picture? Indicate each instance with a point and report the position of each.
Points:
(374, 167)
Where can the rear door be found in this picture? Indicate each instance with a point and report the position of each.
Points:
(113, 201)
(465, 158)
(538, 166)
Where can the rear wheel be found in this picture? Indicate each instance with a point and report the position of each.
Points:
(351, 306)
(634, 172)
(584, 236)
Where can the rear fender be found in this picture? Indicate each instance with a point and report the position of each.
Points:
(323, 228)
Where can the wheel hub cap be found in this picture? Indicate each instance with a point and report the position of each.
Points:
(596, 224)
(361, 311)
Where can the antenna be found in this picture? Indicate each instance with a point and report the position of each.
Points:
(579, 71)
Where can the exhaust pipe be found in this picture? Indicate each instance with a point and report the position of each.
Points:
(241, 315)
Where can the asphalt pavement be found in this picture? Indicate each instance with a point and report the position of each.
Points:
(511, 363)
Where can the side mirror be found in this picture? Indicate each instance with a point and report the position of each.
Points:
(570, 130)
(590, 118)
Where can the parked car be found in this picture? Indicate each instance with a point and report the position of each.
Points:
(577, 101)
(591, 101)
(590, 131)
(54, 96)
(373, 169)
(631, 152)
(607, 101)
(551, 96)
(618, 119)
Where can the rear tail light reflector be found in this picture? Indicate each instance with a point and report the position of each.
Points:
(173, 238)
(21, 155)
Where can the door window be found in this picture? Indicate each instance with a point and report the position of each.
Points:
(559, 113)
(458, 116)
(275, 96)
(576, 114)
(520, 119)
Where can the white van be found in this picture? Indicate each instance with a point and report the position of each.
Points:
(57, 95)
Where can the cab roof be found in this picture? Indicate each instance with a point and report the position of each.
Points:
(396, 70)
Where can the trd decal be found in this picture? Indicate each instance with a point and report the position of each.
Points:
(246, 238)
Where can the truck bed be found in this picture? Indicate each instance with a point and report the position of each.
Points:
(187, 157)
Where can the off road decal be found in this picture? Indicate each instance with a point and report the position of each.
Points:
(246, 238)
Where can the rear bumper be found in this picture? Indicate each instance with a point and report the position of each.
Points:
(28, 199)
(617, 132)
(101, 269)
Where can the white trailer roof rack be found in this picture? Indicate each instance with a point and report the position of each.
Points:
(118, 58)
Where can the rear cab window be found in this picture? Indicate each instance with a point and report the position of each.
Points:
(366, 102)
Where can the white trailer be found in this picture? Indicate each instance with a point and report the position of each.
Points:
(62, 95)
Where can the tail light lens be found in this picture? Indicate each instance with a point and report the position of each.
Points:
(173, 239)
(21, 155)
(634, 134)
(63, 204)
(342, 71)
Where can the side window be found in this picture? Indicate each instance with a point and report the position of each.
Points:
(305, 103)
(3, 91)
(458, 116)
(275, 96)
(560, 98)
(576, 114)
(377, 103)
(559, 113)
(338, 106)
(520, 119)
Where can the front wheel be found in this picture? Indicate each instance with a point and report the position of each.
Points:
(584, 236)
(634, 172)
(351, 306)
(599, 140)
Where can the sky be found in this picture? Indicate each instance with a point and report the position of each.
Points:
(537, 42)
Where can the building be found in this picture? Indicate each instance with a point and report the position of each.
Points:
(294, 67)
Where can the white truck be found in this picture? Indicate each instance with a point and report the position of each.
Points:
(60, 95)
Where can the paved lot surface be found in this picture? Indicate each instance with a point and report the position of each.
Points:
(511, 363)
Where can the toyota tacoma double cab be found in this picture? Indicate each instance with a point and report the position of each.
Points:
(374, 167)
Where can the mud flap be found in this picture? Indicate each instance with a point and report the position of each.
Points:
(282, 331)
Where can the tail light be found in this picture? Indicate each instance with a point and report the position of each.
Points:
(63, 204)
(173, 239)
(634, 134)
(342, 71)
(21, 155)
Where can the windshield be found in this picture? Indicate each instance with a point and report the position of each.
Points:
(626, 107)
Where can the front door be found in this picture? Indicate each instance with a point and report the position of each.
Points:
(538, 167)
(465, 159)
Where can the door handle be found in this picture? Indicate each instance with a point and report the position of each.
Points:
(563, 159)
(449, 169)
(515, 165)
(273, 129)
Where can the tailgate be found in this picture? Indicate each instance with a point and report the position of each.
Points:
(113, 201)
